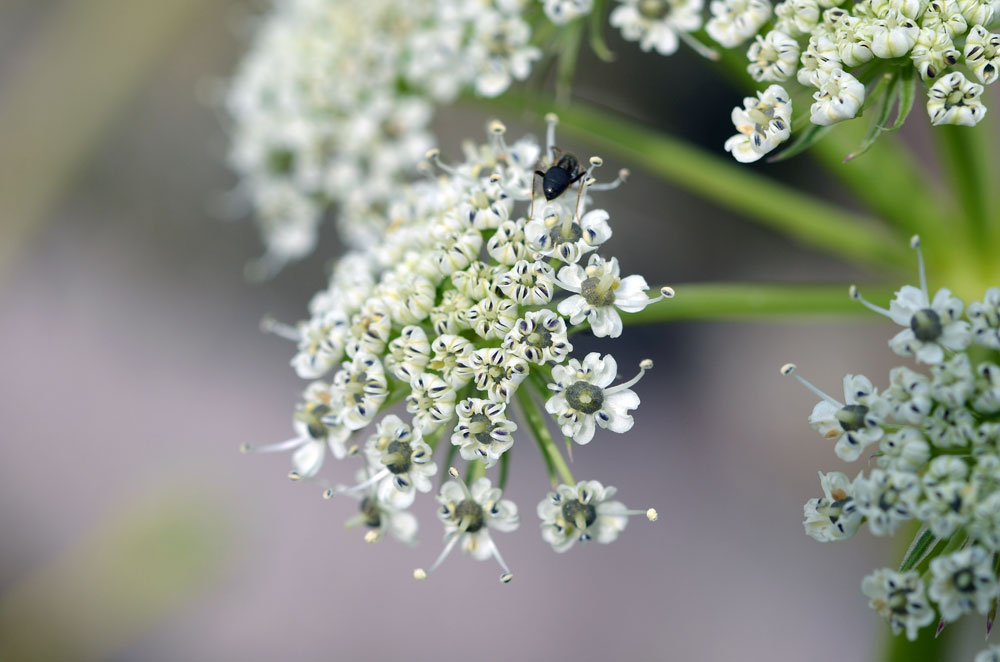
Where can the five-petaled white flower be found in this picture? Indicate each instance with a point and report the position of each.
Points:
(764, 122)
(839, 98)
(657, 24)
(899, 597)
(833, 516)
(598, 291)
(582, 397)
(483, 431)
(955, 100)
(584, 512)
(963, 582)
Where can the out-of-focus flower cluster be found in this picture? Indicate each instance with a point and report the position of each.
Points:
(332, 103)
(463, 312)
(932, 441)
(836, 52)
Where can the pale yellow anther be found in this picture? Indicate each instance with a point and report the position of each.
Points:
(419, 574)
(652, 515)
(787, 369)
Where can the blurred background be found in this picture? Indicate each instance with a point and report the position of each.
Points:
(132, 368)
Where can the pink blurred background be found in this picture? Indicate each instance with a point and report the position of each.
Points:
(132, 370)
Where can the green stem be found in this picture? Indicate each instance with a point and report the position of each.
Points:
(810, 220)
(546, 444)
(926, 648)
(718, 301)
(965, 153)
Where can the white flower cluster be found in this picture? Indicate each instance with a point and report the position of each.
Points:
(464, 311)
(934, 439)
(834, 50)
(332, 103)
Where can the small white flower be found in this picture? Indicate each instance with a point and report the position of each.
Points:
(963, 582)
(598, 291)
(904, 450)
(492, 317)
(558, 234)
(468, 514)
(483, 431)
(952, 381)
(948, 497)
(583, 512)
(763, 123)
(819, 59)
(503, 51)
(796, 17)
(839, 98)
(949, 427)
(853, 38)
(539, 337)
(381, 518)
(833, 516)
(528, 283)
(908, 395)
(656, 24)
(987, 389)
(955, 100)
(773, 57)
(982, 54)
(404, 460)
(735, 21)
(894, 35)
(886, 499)
(562, 12)
(451, 358)
(978, 12)
(358, 390)
(984, 523)
(321, 344)
(946, 15)
(856, 424)
(985, 318)
(899, 597)
(934, 52)
(934, 326)
(582, 397)
(496, 372)
(451, 316)
(408, 354)
(431, 401)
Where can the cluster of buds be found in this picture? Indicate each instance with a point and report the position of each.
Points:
(463, 313)
(331, 105)
(934, 440)
(839, 53)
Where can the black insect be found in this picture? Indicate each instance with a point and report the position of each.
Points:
(560, 176)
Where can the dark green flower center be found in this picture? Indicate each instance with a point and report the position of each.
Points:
(898, 600)
(964, 580)
(926, 325)
(372, 515)
(403, 449)
(480, 427)
(596, 293)
(852, 417)
(571, 509)
(584, 396)
(312, 416)
(471, 512)
(567, 235)
(654, 9)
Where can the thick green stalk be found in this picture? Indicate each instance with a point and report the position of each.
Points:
(546, 444)
(926, 648)
(718, 301)
(810, 220)
(965, 156)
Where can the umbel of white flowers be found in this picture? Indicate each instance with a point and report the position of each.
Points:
(462, 315)
(832, 50)
(332, 103)
(934, 440)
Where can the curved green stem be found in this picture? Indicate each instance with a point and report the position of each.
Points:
(728, 301)
(546, 444)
